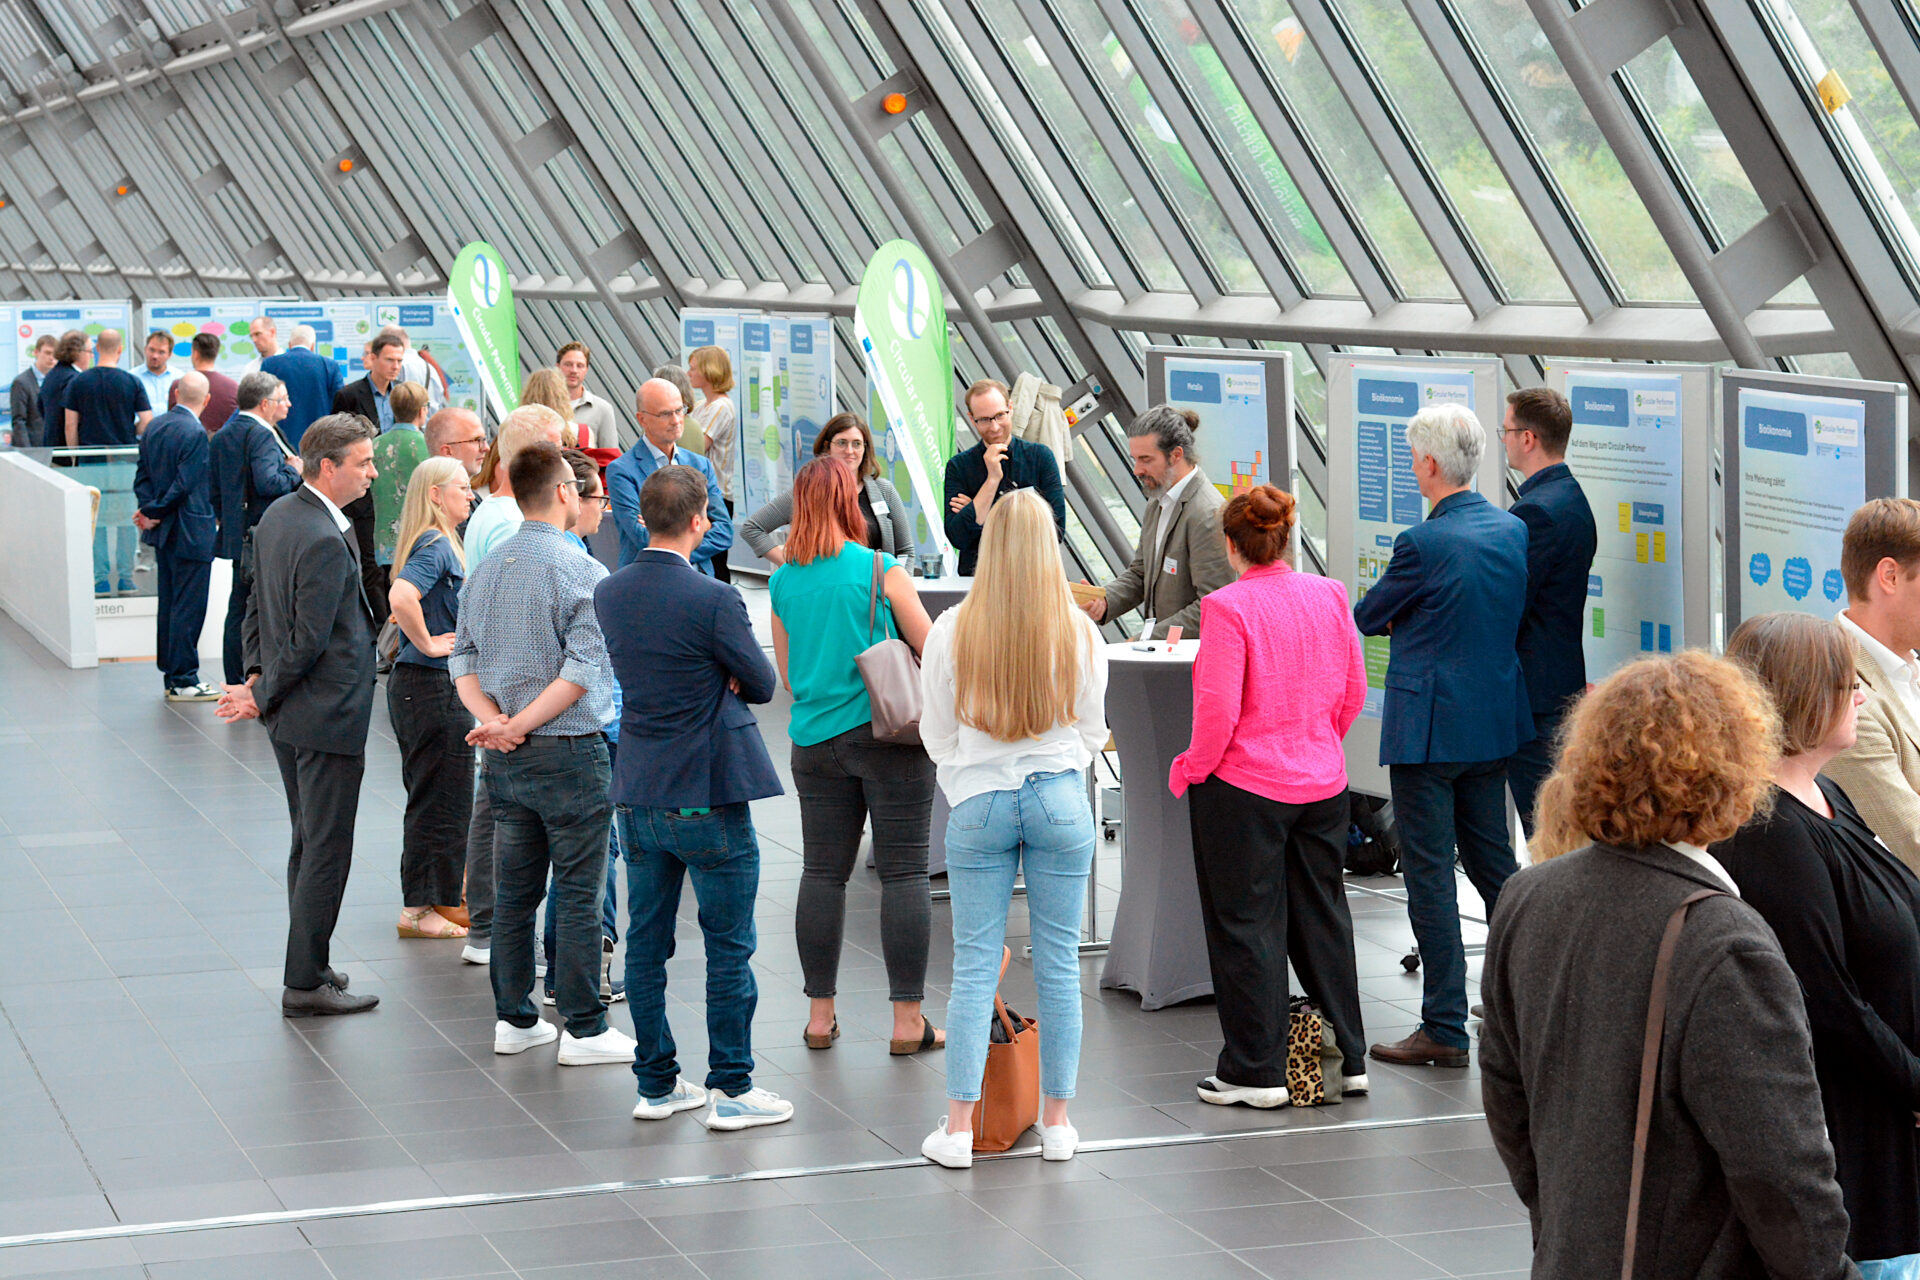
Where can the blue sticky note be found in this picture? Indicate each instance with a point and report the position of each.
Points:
(1646, 637)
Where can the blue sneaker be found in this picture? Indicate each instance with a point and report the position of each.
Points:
(101, 587)
(686, 1096)
(753, 1108)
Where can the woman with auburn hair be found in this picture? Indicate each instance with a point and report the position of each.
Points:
(883, 515)
(1278, 681)
(825, 613)
(547, 387)
(710, 372)
(1661, 759)
(1013, 711)
(1847, 913)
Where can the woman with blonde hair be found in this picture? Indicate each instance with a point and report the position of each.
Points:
(429, 722)
(1732, 1175)
(710, 372)
(548, 387)
(1013, 687)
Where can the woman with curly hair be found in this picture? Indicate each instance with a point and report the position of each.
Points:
(1664, 758)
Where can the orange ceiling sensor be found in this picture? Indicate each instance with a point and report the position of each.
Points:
(894, 103)
(346, 164)
(122, 189)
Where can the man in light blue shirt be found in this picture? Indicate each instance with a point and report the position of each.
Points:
(663, 416)
(157, 376)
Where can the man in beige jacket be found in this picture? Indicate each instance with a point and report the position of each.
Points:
(1880, 560)
(1181, 555)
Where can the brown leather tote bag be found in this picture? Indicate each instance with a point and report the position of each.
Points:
(1010, 1087)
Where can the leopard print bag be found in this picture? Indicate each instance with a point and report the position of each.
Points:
(1313, 1059)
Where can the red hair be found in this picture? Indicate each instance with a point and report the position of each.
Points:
(826, 510)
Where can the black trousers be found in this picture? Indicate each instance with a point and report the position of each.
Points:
(181, 614)
(1528, 767)
(436, 764)
(1271, 889)
(720, 569)
(323, 799)
(232, 658)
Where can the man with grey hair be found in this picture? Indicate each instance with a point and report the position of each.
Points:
(1456, 708)
(456, 433)
(312, 381)
(1181, 555)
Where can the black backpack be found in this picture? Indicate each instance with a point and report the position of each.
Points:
(1373, 846)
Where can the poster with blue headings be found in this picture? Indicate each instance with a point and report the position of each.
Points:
(226, 319)
(434, 332)
(1802, 474)
(712, 328)
(808, 399)
(762, 465)
(341, 327)
(30, 320)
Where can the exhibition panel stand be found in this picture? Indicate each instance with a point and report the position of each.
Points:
(1245, 403)
(29, 321)
(1372, 496)
(1801, 455)
(1642, 451)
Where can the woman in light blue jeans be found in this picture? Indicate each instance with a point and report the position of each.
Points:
(1014, 684)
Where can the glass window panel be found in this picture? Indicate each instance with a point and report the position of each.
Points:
(1669, 95)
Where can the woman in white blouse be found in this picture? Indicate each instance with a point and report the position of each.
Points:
(711, 373)
(1014, 683)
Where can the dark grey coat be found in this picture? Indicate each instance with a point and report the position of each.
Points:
(1740, 1176)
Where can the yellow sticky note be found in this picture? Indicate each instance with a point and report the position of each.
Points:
(1640, 547)
(1626, 517)
(1660, 548)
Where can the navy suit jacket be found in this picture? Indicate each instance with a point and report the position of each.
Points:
(1560, 546)
(676, 637)
(625, 476)
(312, 382)
(1452, 596)
(245, 442)
(172, 485)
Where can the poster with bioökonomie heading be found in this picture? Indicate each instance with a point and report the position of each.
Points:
(1802, 474)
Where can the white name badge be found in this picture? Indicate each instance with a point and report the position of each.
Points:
(1170, 567)
(880, 507)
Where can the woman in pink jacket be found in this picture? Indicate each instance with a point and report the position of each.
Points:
(1278, 680)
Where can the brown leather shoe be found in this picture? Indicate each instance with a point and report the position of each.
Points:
(1418, 1050)
(456, 915)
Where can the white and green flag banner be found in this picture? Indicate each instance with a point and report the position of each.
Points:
(482, 298)
(900, 322)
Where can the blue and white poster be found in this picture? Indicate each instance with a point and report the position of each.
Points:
(1386, 397)
(713, 328)
(434, 332)
(807, 401)
(1234, 444)
(30, 320)
(341, 328)
(227, 319)
(762, 462)
(893, 465)
(1802, 474)
(1627, 454)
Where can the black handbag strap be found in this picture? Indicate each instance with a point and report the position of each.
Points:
(1650, 1068)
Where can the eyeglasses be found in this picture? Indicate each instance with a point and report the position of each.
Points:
(479, 439)
(997, 419)
(681, 412)
(848, 446)
(601, 500)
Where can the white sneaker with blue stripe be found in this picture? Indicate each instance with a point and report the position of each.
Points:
(753, 1108)
(685, 1096)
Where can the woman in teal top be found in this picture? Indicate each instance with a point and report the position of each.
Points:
(821, 601)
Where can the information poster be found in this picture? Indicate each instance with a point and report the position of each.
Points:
(1802, 474)
(432, 330)
(762, 462)
(341, 328)
(225, 318)
(808, 399)
(1627, 454)
(1386, 397)
(1234, 399)
(30, 320)
(712, 328)
(893, 465)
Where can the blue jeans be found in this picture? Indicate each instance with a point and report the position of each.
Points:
(1436, 808)
(1047, 826)
(1527, 768)
(609, 911)
(719, 851)
(550, 811)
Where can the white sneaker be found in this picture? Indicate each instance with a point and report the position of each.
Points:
(508, 1038)
(539, 968)
(684, 1096)
(1217, 1091)
(476, 955)
(202, 692)
(1058, 1141)
(610, 1045)
(1355, 1085)
(949, 1150)
(746, 1111)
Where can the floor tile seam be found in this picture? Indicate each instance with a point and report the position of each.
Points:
(66, 1123)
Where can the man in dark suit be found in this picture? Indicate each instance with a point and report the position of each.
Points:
(176, 519)
(368, 397)
(999, 464)
(1456, 708)
(1561, 541)
(688, 666)
(252, 464)
(312, 382)
(309, 657)
(23, 399)
(663, 417)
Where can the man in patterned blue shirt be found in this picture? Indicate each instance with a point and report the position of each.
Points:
(531, 665)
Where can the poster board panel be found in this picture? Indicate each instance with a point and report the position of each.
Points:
(1245, 403)
(225, 318)
(29, 320)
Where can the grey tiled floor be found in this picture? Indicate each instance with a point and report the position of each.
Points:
(145, 1074)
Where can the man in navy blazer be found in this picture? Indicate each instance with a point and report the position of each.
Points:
(663, 416)
(312, 382)
(1456, 708)
(176, 519)
(691, 757)
(1561, 540)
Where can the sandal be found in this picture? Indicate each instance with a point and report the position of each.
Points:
(900, 1048)
(822, 1042)
(425, 922)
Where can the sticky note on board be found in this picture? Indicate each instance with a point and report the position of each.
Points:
(1626, 517)
(1659, 548)
(1640, 547)
(1599, 624)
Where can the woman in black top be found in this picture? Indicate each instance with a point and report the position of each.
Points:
(1847, 913)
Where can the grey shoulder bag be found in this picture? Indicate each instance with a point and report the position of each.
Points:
(892, 676)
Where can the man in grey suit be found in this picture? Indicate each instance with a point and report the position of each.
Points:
(1181, 555)
(308, 643)
(23, 400)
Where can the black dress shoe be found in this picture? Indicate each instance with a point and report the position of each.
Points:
(325, 1000)
(337, 978)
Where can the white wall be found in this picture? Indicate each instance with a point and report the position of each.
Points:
(46, 558)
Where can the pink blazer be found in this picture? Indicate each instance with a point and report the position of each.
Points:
(1277, 683)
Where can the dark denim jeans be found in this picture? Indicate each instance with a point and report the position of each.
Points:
(1436, 808)
(550, 812)
(720, 853)
(1527, 768)
(609, 910)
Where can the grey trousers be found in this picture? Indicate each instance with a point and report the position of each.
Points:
(481, 862)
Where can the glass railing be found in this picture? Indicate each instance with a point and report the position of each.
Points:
(122, 565)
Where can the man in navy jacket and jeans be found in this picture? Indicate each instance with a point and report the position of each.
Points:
(691, 758)
(1456, 708)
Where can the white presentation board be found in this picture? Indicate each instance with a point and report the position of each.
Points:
(806, 401)
(1642, 451)
(1372, 495)
(764, 459)
(225, 318)
(29, 320)
(1801, 455)
(1245, 402)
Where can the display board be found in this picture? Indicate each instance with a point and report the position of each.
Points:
(1801, 455)
(807, 401)
(1642, 451)
(764, 459)
(1372, 495)
(225, 318)
(30, 320)
(712, 328)
(1245, 403)
(342, 328)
